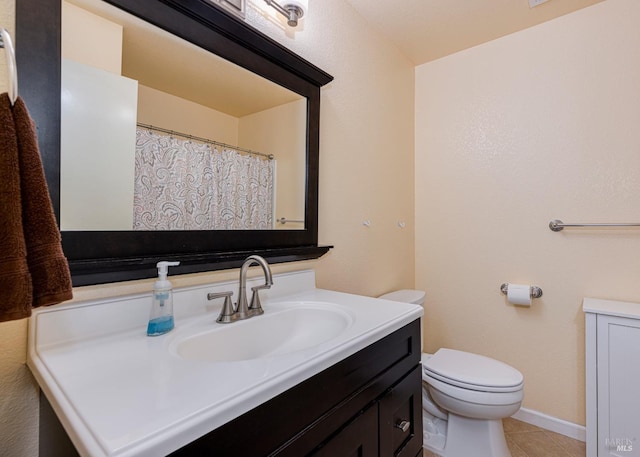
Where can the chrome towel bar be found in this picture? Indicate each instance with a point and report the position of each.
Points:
(284, 220)
(557, 225)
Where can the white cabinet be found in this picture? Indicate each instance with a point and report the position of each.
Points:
(613, 378)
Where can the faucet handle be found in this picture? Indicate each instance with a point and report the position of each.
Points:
(228, 314)
(255, 308)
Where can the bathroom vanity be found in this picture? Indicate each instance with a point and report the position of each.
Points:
(320, 373)
(612, 374)
(369, 403)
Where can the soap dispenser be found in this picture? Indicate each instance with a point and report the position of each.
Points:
(161, 319)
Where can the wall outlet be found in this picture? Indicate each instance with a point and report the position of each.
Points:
(533, 3)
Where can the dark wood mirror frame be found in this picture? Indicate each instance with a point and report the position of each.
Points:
(97, 257)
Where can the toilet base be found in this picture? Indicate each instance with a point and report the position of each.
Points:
(434, 433)
(465, 437)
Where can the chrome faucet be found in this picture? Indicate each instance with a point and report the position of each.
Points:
(243, 310)
(255, 308)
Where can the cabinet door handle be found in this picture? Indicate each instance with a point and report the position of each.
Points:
(403, 425)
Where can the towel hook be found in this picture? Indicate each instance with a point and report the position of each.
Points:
(7, 44)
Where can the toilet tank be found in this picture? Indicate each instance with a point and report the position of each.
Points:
(415, 297)
(406, 296)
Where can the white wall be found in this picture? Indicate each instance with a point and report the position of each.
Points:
(538, 125)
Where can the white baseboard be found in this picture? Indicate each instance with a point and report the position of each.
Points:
(575, 431)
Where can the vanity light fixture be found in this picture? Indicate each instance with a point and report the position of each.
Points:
(292, 10)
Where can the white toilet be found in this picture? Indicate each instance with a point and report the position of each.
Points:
(465, 396)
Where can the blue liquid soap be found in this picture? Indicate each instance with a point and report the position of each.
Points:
(160, 325)
(161, 317)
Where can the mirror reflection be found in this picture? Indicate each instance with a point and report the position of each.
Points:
(158, 134)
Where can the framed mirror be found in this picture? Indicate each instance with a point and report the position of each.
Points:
(98, 248)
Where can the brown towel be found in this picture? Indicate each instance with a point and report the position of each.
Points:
(50, 279)
(15, 280)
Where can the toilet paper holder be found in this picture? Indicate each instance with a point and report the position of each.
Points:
(534, 291)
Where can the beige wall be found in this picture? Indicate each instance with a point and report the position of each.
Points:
(366, 171)
(91, 39)
(18, 392)
(167, 111)
(281, 131)
(538, 125)
(366, 147)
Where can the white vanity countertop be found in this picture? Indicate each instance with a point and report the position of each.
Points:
(611, 307)
(120, 393)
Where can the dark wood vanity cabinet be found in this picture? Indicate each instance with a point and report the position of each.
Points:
(400, 430)
(386, 428)
(366, 405)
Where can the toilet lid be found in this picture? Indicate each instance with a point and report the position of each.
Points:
(472, 371)
(406, 296)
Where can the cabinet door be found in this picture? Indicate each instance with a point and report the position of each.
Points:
(401, 417)
(358, 439)
(618, 382)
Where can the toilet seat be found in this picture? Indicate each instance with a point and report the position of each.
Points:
(472, 397)
(472, 371)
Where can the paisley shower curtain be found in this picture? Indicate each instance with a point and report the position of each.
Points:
(186, 185)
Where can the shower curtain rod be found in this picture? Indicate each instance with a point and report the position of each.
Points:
(204, 140)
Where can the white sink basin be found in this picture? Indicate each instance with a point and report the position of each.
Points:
(277, 332)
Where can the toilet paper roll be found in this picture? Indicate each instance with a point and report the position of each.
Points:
(519, 294)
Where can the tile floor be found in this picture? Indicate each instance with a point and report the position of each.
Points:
(527, 440)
